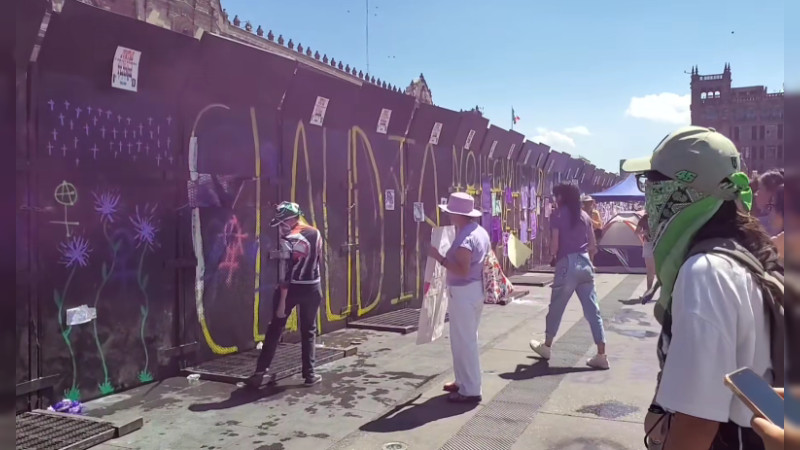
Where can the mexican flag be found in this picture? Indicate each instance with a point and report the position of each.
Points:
(514, 117)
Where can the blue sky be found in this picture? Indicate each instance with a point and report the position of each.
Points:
(600, 79)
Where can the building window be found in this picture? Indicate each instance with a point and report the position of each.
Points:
(716, 94)
(754, 132)
(735, 133)
(780, 154)
(746, 152)
(762, 132)
(702, 96)
(780, 131)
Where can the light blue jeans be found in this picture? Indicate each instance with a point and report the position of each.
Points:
(575, 274)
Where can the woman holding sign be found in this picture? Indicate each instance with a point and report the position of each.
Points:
(464, 265)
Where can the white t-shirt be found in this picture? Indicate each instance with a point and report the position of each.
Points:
(718, 325)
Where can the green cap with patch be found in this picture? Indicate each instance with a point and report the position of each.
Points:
(700, 157)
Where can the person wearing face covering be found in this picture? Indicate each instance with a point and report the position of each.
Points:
(299, 286)
(714, 313)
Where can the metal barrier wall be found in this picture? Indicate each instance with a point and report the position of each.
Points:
(153, 206)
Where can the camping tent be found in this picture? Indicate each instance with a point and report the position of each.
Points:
(620, 248)
(626, 190)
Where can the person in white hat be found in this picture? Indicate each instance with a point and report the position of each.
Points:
(713, 313)
(464, 265)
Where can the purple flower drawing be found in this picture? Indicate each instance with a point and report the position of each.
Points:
(106, 204)
(74, 252)
(144, 223)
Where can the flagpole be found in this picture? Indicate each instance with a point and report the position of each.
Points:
(512, 117)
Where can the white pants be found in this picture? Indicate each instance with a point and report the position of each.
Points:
(465, 306)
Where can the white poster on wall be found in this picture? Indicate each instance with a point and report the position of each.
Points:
(419, 212)
(470, 137)
(125, 70)
(389, 199)
(511, 151)
(383, 120)
(492, 148)
(320, 107)
(435, 133)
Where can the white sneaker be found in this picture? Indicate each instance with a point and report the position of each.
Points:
(541, 349)
(598, 362)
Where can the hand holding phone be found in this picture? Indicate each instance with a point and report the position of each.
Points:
(757, 394)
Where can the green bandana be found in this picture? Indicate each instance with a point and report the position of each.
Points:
(676, 213)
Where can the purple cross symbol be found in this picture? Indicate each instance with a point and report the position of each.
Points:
(110, 146)
(89, 110)
(71, 125)
(133, 134)
(150, 121)
(134, 157)
(170, 159)
(120, 145)
(61, 119)
(86, 128)
(103, 132)
(114, 132)
(49, 148)
(169, 120)
(169, 141)
(140, 128)
(55, 134)
(66, 104)
(158, 143)
(78, 112)
(125, 133)
(129, 120)
(115, 155)
(99, 111)
(77, 161)
(158, 160)
(94, 151)
(151, 134)
(129, 147)
(138, 146)
(51, 103)
(119, 118)
(94, 120)
(63, 150)
(108, 114)
(75, 143)
(147, 149)
(158, 130)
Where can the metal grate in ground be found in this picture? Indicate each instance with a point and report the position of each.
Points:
(532, 279)
(237, 367)
(47, 431)
(402, 321)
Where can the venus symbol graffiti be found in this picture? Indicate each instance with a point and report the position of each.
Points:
(67, 196)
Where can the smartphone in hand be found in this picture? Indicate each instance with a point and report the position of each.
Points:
(757, 394)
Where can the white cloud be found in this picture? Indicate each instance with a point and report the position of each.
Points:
(554, 139)
(666, 107)
(580, 129)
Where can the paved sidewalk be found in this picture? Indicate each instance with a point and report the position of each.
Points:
(391, 391)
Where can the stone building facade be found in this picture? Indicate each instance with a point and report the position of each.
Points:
(750, 116)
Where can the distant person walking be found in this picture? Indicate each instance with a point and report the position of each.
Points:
(572, 245)
(590, 206)
(768, 184)
(643, 231)
(464, 265)
(299, 287)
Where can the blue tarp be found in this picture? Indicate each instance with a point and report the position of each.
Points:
(624, 191)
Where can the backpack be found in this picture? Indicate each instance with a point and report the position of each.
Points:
(771, 282)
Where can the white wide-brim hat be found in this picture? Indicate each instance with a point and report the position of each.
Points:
(461, 204)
